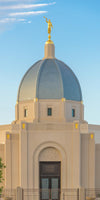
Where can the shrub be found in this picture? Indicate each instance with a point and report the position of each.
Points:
(2, 166)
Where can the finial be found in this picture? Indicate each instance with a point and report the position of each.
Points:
(49, 41)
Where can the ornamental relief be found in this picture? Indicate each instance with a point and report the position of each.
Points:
(50, 154)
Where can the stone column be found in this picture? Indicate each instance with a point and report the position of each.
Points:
(19, 193)
(8, 155)
(81, 194)
(23, 155)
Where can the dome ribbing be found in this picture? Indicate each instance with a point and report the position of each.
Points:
(49, 79)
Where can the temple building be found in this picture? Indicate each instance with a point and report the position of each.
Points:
(49, 145)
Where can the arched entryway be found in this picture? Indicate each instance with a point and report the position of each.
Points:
(50, 173)
(51, 157)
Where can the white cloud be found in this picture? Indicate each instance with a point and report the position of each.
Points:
(4, 1)
(12, 11)
(21, 20)
(29, 22)
(7, 1)
(7, 20)
(12, 20)
(25, 6)
(27, 13)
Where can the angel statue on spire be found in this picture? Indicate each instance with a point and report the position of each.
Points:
(49, 27)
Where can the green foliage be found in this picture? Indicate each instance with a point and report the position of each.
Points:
(2, 166)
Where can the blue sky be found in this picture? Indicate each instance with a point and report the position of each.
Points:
(76, 35)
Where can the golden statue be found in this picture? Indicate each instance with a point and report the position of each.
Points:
(49, 29)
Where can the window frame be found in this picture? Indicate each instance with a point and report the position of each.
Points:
(49, 111)
(73, 112)
(25, 112)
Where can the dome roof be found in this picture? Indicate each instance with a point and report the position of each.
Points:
(49, 79)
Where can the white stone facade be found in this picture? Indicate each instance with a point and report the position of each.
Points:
(36, 137)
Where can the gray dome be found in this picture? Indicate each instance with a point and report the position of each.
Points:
(49, 79)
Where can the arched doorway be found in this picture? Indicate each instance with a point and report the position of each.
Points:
(49, 152)
(49, 173)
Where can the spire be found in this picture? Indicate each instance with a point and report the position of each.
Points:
(49, 51)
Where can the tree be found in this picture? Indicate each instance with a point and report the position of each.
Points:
(2, 166)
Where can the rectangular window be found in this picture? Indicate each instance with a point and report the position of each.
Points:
(73, 112)
(25, 112)
(49, 111)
